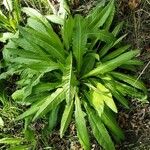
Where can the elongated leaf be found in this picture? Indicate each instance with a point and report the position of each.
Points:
(117, 29)
(102, 16)
(105, 49)
(102, 35)
(81, 125)
(112, 64)
(33, 109)
(99, 130)
(66, 118)
(116, 94)
(68, 79)
(127, 90)
(11, 140)
(42, 87)
(116, 53)
(33, 98)
(130, 80)
(93, 13)
(21, 147)
(17, 11)
(67, 31)
(37, 25)
(110, 121)
(79, 40)
(25, 54)
(109, 20)
(53, 118)
(44, 41)
(88, 59)
(31, 47)
(51, 101)
(49, 34)
(134, 62)
(35, 14)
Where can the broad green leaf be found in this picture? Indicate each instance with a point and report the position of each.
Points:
(95, 98)
(99, 130)
(79, 40)
(50, 35)
(106, 96)
(131, 65)
(53, 118)
(81, 125)
(66, 118)
(51, 101)
(112, 64)
(97, 102)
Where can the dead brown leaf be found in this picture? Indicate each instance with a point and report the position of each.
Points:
(133, 4)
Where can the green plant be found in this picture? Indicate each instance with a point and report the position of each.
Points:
(9, 19)
(76, 72)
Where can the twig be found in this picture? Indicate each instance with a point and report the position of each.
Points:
(142, 71)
